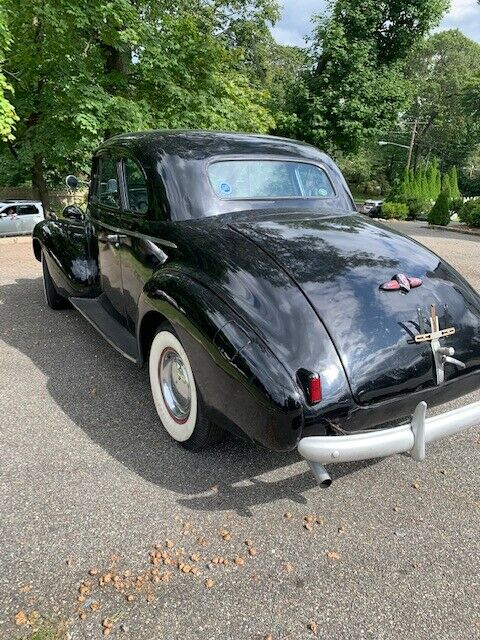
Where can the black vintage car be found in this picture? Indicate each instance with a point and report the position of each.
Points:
(236, 268)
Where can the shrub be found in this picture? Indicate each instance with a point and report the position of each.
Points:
(455, 205)
(416, 207)
(440, 213)
(394, 210)
(470, 213)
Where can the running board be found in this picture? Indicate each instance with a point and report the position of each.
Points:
(114, 333)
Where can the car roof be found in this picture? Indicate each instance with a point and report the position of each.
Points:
(2, 202)
(197, 145)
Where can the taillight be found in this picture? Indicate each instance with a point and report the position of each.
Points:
(314, 389)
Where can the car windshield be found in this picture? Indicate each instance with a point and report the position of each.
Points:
(257, 179)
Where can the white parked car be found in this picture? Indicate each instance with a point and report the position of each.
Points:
(18, 217)
(373, 208)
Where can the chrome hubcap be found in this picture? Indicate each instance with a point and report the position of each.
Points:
(175, 385)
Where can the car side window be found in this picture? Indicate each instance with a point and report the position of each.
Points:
(107, 185)
(10, 211)
(136, 187)
(27, 210)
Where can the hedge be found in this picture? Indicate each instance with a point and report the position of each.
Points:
(394, 210)
(470, 213)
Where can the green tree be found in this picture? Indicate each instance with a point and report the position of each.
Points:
(7, 112)
(443, 72)
(433, 175)
(82, 72)
(440, 213)
(357, 87)
(446, 187)
(453, 178)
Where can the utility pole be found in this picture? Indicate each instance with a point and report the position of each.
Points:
(412, 142)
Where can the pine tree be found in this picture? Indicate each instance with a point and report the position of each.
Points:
(425, 189)
(446, 187)
(454, 190)
(439, 184)
(433, 174)
(440, 213)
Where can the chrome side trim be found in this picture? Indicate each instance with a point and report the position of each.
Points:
(135, 234)
(411, 437)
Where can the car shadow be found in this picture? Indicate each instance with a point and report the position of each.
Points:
(109, 399)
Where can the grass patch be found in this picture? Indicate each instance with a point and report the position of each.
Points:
(48, 631)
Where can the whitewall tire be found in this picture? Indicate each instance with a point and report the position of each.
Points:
(173, 386)
(175, 394)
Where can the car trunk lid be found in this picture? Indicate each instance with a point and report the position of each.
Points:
(339, 264)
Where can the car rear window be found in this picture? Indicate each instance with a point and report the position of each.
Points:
(257, 179)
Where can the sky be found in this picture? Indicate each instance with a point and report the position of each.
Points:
(295, 23)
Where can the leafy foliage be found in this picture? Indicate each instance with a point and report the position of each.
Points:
(396, 210)
(440, 213)
(8, 116)
(470, 213)
(82, 72)
(357, 87)
(443, 71)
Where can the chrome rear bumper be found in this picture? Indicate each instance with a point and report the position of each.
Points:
(411, 437)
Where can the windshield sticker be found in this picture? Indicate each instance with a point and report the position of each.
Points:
(322, 191)
(225, 188)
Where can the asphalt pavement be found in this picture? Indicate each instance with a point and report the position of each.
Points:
(88, 486)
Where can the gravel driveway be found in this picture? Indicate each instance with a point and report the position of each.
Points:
(391, 550)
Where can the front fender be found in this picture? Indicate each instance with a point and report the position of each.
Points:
(243, 385)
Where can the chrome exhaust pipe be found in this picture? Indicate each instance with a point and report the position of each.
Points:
(321, 474)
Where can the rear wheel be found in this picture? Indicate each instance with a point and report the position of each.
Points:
(53, 298)
(177, 401)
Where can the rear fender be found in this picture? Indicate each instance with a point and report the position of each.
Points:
(243, 385)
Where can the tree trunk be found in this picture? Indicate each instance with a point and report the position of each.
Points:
(39, 183)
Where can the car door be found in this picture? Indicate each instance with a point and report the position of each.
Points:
(28, 216)
(9, 225)
(105, 215)
(140, 255)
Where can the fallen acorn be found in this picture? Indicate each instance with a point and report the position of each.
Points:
(209, 583)
(313, 627)
(239, 561)
(93, 571)
(333, 555)
(309, 518)
(169, 544)
(21, 618)
(287, 515)
(252, 551)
